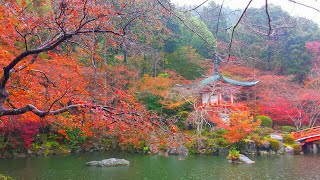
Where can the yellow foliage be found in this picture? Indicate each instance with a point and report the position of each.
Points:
(156, 85)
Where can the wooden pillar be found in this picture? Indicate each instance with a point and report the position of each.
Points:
(231, 99)
(219, 99)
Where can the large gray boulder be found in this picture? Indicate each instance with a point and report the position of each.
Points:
(109, 162)
(182, 151)
(276, 136)
(250, 147)
(245, 159)
(289, 150)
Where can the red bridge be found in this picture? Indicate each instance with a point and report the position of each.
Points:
(307, 135)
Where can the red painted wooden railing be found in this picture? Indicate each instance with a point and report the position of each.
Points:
(311, 134)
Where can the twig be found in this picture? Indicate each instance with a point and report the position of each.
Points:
(304, 5)
(234, 27)
(196, 6)
(269, 19)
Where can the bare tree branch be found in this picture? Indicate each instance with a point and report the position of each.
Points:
(192, 9)
(269, 19)
(235, 26)
(299, 3)
(219, 16)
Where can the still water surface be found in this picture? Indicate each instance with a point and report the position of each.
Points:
(71, 167)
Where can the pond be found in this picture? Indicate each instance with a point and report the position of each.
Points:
(73, 167)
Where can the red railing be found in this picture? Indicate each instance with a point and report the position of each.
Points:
(306, 133)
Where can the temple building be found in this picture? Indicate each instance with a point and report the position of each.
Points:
(213, 92)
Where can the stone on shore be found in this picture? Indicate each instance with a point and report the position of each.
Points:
(245, 159)
(109, 163)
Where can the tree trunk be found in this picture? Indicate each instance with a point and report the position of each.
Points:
(3, 97)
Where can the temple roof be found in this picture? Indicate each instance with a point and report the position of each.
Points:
(217, 77)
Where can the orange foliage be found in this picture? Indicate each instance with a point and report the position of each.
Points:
(156, 85)
(240, 125)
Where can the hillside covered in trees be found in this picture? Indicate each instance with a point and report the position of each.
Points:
(126, 75)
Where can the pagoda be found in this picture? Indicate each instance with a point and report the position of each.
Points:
(212, 93)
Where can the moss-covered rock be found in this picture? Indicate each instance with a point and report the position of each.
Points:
(274, 144)
(296, 148)
(288, 139)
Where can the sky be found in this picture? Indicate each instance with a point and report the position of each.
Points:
(292, 8)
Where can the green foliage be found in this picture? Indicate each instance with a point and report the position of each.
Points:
(296, 148)
(221, 142)
(76, 138)
(146, 149)
(203, 44)
(2, 143)
(201, 145)
(4, 177)
(128, 147)
(263, 131)
(285, 53)
(45, 147)
(287, 129)
(234, 155)
(163, 147)
(110, 143)
(186, 62)
(217, 28)
(183, 108)
(257, 139)
(274, 144)
(151, 101)
(218, 138)
(140, 147)
(164, 75)
(265, 121)
(288, 139)
(182, 117)
(215, 134)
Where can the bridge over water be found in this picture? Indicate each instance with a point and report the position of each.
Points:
(308, 137)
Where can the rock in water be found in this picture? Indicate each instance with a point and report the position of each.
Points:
(109, 163)
(245, 159)
(289, 150)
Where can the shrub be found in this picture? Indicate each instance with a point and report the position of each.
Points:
(265, 121)
(274, 144)
(257, 139)
(191, 146)
(216, 133)
(264, 131)
(164, 74)
(296, 148)
(146, 149)
(164, 147)
(151, 101)
(74, 138)
(221, 142)
(27, 131)
(234, 155)
(288, 139)
(183, 116)
(3, 177)
(287, 128)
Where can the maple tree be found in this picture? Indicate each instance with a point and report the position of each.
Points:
(42, 27)
(55, 70)
(239, 126)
